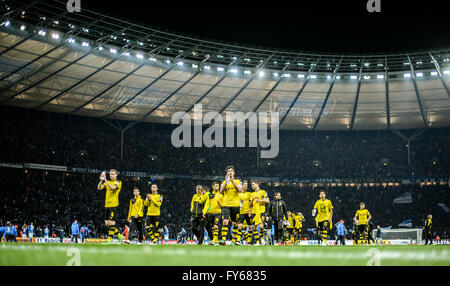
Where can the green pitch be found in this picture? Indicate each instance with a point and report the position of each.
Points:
(23, 254)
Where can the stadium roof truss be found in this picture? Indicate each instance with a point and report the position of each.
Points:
(96, 65)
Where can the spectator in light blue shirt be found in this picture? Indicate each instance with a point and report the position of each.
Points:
(10, 232)
(31, 231)
(75, 231)
(2, 233)
(340, 227)
(46, 232)
(166, 234)
(272, 233)
(24, 232)
(83, 233)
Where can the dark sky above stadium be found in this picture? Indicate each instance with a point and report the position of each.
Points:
(320, 25)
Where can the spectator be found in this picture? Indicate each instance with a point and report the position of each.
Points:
(46, 233)
(166, 234)
(61, 234)
(31, 232)
(341, 231)
(182, 235)
(84, 231)
(379, 235)
(75, 231)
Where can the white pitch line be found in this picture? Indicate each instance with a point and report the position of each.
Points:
(432, 255)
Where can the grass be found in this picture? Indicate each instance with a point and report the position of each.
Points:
(25, 254)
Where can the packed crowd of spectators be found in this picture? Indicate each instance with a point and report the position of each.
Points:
(57, 139)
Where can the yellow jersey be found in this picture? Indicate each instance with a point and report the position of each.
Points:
(198, 204)
(255, 207)
(362, 216)
(231, 194)
(112, 196)
(136, 207)
(324, 208)
(299, 219)
(215, 202)
(154, 203)
(262, 205)
(291, 221)
(245, 202)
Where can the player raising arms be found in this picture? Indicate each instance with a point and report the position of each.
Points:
(113, 187)
(363, 217)
(230, 189)
(324, 210)
(153, 203)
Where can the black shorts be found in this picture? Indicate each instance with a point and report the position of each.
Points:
(246, 218)
(152, 220)
(111, 213)
(362, 228)
(324, 225)
(213, 219)
(231, 213)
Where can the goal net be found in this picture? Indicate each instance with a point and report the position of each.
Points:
(400, 233)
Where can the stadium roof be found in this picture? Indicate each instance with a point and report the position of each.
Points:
(95, 65)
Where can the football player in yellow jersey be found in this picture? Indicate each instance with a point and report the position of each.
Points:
(244, 233)
(135, 214)
(324, 210)
(153, 203)
(363, 217)
(244, 217)
(290, 228)
(427, 229)
(298, 224)
(214, 213)
(230, 189)
(262, 210)
(113, 187)
(199, 204)
(256, 199)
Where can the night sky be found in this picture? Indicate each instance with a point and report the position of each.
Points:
(315, 26)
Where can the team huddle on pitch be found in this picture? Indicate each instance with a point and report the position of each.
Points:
(229, 205)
